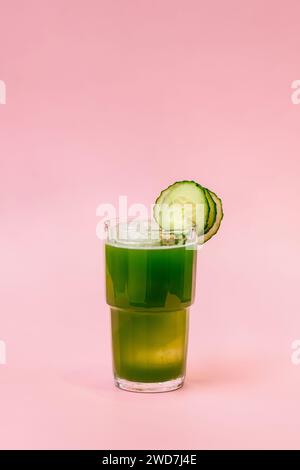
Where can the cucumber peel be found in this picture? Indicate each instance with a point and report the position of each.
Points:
(212, 210)
(219, 216)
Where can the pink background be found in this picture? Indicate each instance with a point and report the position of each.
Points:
(124, 97)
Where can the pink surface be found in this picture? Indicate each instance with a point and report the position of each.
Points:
(125, 97)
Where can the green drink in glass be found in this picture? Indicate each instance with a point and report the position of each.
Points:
(150, 286)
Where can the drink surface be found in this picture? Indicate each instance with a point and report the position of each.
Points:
(149, 291)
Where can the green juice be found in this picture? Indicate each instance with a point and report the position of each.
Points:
(149, 291)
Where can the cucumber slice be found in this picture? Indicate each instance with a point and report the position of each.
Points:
(181, 206)
(212, 210)
(219, 216)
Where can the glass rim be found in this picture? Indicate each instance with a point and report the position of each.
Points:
(109, 223)
(153, 235)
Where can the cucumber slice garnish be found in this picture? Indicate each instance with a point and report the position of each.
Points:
(212, 211)
(187, 204)
(219, 216)
(181, 206)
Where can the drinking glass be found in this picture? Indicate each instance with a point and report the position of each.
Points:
(150, 285)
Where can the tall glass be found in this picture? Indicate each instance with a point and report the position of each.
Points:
(150, 284)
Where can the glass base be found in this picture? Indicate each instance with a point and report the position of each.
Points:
(147, 387)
